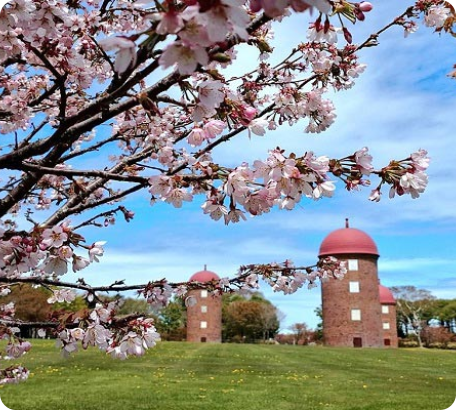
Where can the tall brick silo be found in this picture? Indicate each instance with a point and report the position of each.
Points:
(351, 306)
(204, 318)
(389, 325)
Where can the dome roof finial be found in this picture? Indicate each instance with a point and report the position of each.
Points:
(346, 223)
(204, 276)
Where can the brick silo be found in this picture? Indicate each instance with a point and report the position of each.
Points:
(389, 326)
(351, 306)
(204, 318)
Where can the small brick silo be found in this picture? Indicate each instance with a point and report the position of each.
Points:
(204, 318)
(389, 326)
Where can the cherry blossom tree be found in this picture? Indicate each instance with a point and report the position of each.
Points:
(149, 87)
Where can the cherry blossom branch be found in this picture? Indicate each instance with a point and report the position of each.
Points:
(84, 173)
(92, 148)
(59, 78)
(372, 40)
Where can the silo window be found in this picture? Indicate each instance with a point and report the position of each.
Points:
(203, 325)
(203, 309)
(386, 326)
(204, 293)
(356, 314)
(385, 309)
(353, 264)
(354, 287)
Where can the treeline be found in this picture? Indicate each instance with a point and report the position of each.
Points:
(247, 317)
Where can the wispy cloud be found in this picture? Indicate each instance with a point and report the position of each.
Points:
(417, 264)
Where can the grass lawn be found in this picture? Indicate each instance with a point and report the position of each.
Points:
(185, 376)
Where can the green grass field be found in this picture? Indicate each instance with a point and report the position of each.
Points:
(184, 376)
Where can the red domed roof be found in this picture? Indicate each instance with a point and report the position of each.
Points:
(348, 240)
(204, 276)
(386, 296)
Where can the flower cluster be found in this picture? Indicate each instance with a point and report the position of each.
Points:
(46, 252)
(119, 337)
(405, 177)
(136, 341)
(288, 278)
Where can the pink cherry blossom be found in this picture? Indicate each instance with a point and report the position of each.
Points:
(170, 22)
(420, 160)
(213, 128)
(177, 196)
(96, 250)
(79, 263)
(414, 184)
(234, 216)
(15, 350)
(214, 209)
(131, 344)
(184, 57)
(54, 265)
(62, 295)
(324, 189)
(323, 6)
(96, 335)
(54, 237)
(436, 16)
(364, 161)
(196, 137)
(210, 93)
(126, 54)
(258, 125)
(375, 195)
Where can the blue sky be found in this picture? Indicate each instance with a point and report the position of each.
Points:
(404, 101)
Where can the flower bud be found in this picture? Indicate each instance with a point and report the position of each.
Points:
(255, 6)
(365, 6)
(327, 26)
(359, 15)
(347, 35)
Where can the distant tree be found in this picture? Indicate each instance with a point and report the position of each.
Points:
(172, 321)
(269, 320)
(435, 336)
(300, 333)
(446, 313)
(249, 318)
(129, 306)
(79, 303)
(414, 309)
(319, 329)
(28, 304)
